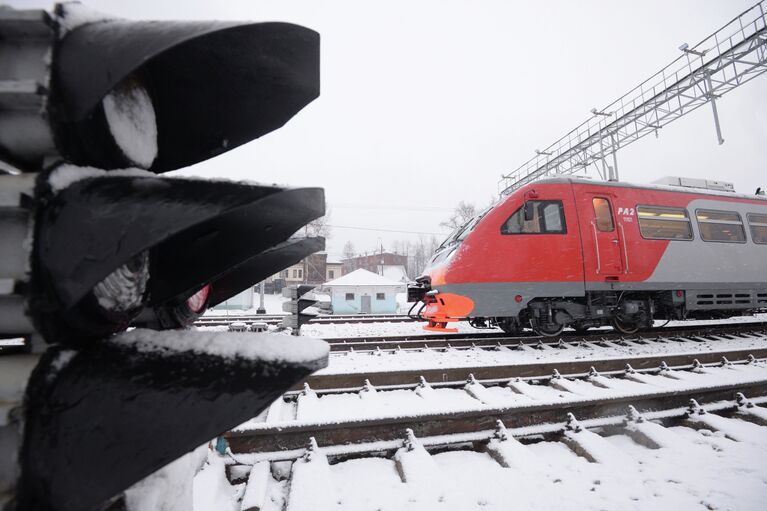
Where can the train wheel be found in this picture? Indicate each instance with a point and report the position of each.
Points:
(548, 330)
(625, 327)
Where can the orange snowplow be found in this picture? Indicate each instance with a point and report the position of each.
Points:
(442, 308)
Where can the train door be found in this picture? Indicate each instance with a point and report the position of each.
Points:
(603, 256)
(366, 308)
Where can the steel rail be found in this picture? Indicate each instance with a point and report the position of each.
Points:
(483, 436)
(290, 437)
(496, 339)
(456, 376)
(276, 319)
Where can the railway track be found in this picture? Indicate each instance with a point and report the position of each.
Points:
(676, 351)
(492, 340)
(276, 319)
(621, 418)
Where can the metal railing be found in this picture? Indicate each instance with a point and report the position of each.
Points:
(731, 56)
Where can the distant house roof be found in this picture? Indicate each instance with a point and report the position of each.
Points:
(362, 277)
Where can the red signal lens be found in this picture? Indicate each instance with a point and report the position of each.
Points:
(680, 293)
(197, 301)
(518, 298)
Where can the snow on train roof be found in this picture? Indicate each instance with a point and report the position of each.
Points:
(649, 186)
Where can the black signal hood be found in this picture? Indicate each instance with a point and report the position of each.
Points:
(214, 85)
(195, 233)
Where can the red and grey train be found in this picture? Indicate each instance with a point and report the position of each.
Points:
(571, 252)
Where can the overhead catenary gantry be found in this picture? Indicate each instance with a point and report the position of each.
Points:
(728, 58)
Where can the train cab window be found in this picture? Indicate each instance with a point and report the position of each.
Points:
(758, 225)
(603, 214)
(664, 223)
(721, 226)
(460, 233)
(548, 218)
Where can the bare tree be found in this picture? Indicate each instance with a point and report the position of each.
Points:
(419, 257)
(319, 226)
(349, 251)
(462, 213)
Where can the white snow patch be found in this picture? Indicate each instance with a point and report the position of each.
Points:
(211, 489)
(168, 489)
(65, 175)
(367, 361)
(131, 118)
(311, 486)
(232, 345)
(123, 289)
(60, 362)
(75, 14)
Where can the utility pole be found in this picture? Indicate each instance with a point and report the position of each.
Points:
(261, 309)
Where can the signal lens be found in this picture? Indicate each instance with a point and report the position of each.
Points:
(130, 114)
(123, 290)
(199, 300)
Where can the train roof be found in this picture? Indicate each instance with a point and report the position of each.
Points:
(665, 188)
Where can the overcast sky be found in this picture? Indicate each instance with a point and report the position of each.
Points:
(427, 103)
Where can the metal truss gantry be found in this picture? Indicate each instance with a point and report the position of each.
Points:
(731, 56)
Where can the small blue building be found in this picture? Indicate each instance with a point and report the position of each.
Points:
(363, 292)
(241, 301)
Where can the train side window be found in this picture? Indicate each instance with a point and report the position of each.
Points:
(349, 297)
(664, 223)
(721, 226)
(604, 214)
(548, 218)
(758, 225)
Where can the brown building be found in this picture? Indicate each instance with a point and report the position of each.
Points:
(314, 269)
(374, 262)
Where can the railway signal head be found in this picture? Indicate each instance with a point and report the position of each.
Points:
(110, 246)
(300, 306)
(157, 95)
(92, 109)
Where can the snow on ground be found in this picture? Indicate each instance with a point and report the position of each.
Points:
(212, 491)
(360, 362)
(692, 470)
(376, 329)
(371, 403)
(350, 330)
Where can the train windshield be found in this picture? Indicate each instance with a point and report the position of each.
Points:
(459, 234)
